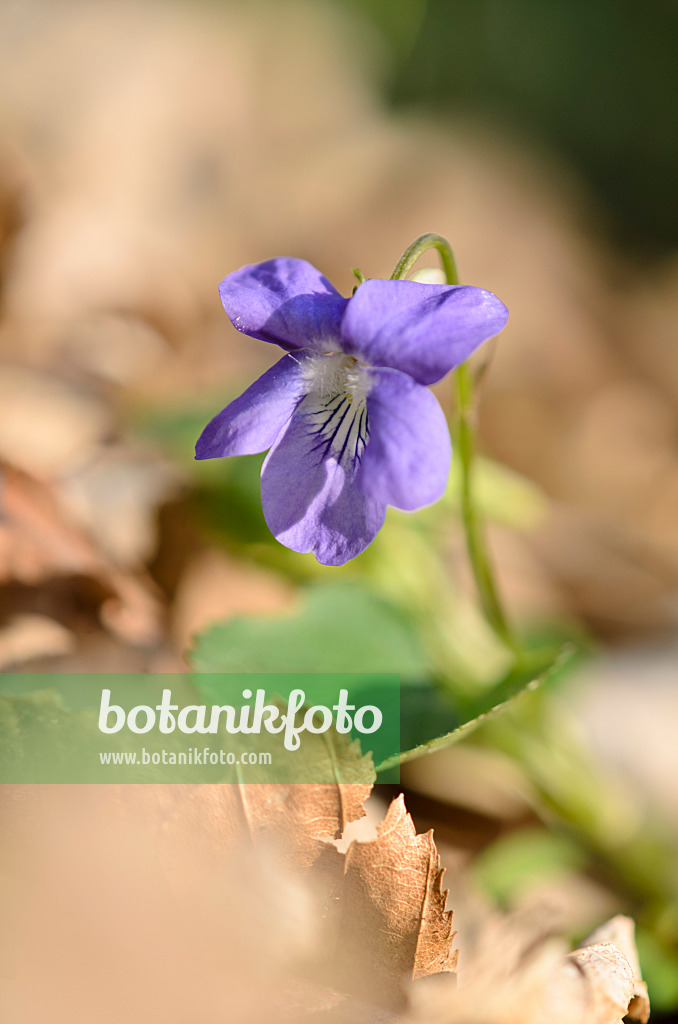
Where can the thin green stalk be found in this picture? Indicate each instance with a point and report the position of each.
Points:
(418, 248)
(475, 539)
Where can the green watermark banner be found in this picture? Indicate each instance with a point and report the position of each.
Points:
(197, 727)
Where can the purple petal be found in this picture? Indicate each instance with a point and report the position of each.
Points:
(285, 301)
(311, 501)
(252, 422)
(422, 329)
(407, 459)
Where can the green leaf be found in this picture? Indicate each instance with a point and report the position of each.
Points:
(437, 711)
(44, 740)
(340, 627)
(554, 660)
(442, 741)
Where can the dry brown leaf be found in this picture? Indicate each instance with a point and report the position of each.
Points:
(606, 984)
(392, 924)
(38, 541)
(294, 821)
(620, 932)
(35, 542)
(519, 974)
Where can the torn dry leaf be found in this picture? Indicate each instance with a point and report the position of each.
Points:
(392, 923)
(294, 821)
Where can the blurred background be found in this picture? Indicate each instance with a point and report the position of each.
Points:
(149, 148)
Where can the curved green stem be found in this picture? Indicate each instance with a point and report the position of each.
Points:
(418, 248)
(475, 539)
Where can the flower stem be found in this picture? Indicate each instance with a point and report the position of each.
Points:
(479, 557)
(418, 248)
(475, 537)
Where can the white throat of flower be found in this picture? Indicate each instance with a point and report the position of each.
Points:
(336, 387)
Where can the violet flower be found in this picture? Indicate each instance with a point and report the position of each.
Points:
(346, 413)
